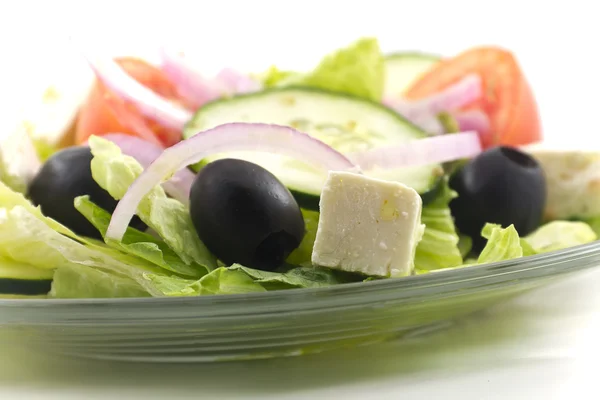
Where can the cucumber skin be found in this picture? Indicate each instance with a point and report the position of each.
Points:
(307, 200)
(186, 134)
(30, 287)
(413, 54)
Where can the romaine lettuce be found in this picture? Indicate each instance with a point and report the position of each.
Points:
(78, 281)
(115, 172)
(138, 243)
(439, 246)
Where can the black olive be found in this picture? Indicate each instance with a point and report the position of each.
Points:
(501, 185)
(244, 214)
(65, 176)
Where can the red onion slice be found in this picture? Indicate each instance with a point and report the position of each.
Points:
(224, 138)
(145, 153)
(423, 113)
(237, 82)
(147, 102)
(473, 120)
(431, 150)
(454, 97)
(190, 84)
(198, 90)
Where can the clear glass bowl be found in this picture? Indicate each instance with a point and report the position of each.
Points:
(280, 323)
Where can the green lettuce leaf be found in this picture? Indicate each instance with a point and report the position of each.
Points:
(219, 281)
(296, 277)
(439, 246)
(43, 148)
(502, 244)
(558, 235)
(276, 77)
(358, 69)
(465, 244)
(78, 281)
(489, 228)
(304, 252)
(115, 172)
(138, 243)
(28, 239)
(594, 223)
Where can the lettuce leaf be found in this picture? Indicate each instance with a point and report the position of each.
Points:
(558, 235)
(78, 281)
(358, 69)
(593, 223)
(138, 243)
(439, 246)
(296, 277)
(219, 281)
(276, 77)
(502, 244)
(28, 239)
(303, 253)
(115, 172)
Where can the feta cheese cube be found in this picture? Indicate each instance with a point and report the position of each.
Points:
(368, 226)
(572, 181)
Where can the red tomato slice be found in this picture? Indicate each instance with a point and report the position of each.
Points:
(508, 100)
(104, 112)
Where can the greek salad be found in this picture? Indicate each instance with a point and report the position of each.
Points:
(164, 181)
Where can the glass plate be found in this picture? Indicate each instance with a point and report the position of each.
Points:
(281, 323)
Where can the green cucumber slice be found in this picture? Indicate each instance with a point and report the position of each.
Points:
(402, 69)
(344, 122)
(24, 279)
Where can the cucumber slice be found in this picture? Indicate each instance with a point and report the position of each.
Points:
(402, 69)
(20, 279)
(344, 122)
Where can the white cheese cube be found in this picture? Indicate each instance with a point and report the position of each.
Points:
(572, 181)
(367, 225)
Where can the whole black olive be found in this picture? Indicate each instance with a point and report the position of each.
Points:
(501, 185)
(244, 214)
(65, 176)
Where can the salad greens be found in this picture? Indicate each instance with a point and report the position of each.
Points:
(358, 69)
(79, 281)
(439, 246)
(172, 259)
(137, 243)
(115, 172)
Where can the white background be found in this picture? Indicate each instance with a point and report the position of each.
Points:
(542, 345)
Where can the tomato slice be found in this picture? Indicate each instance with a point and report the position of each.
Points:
(105, 112)
(508, 100)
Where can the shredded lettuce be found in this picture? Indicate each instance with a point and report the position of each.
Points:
(358, 69)
(593, 223)
(465, 245)
(502, 244)
(276, 77)
(439, 246)
(138, 243)
(303, 253)
(115, 172)
(26, 238)
(294, 276)
(219, 281)
(558, 235)
(78, 281)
